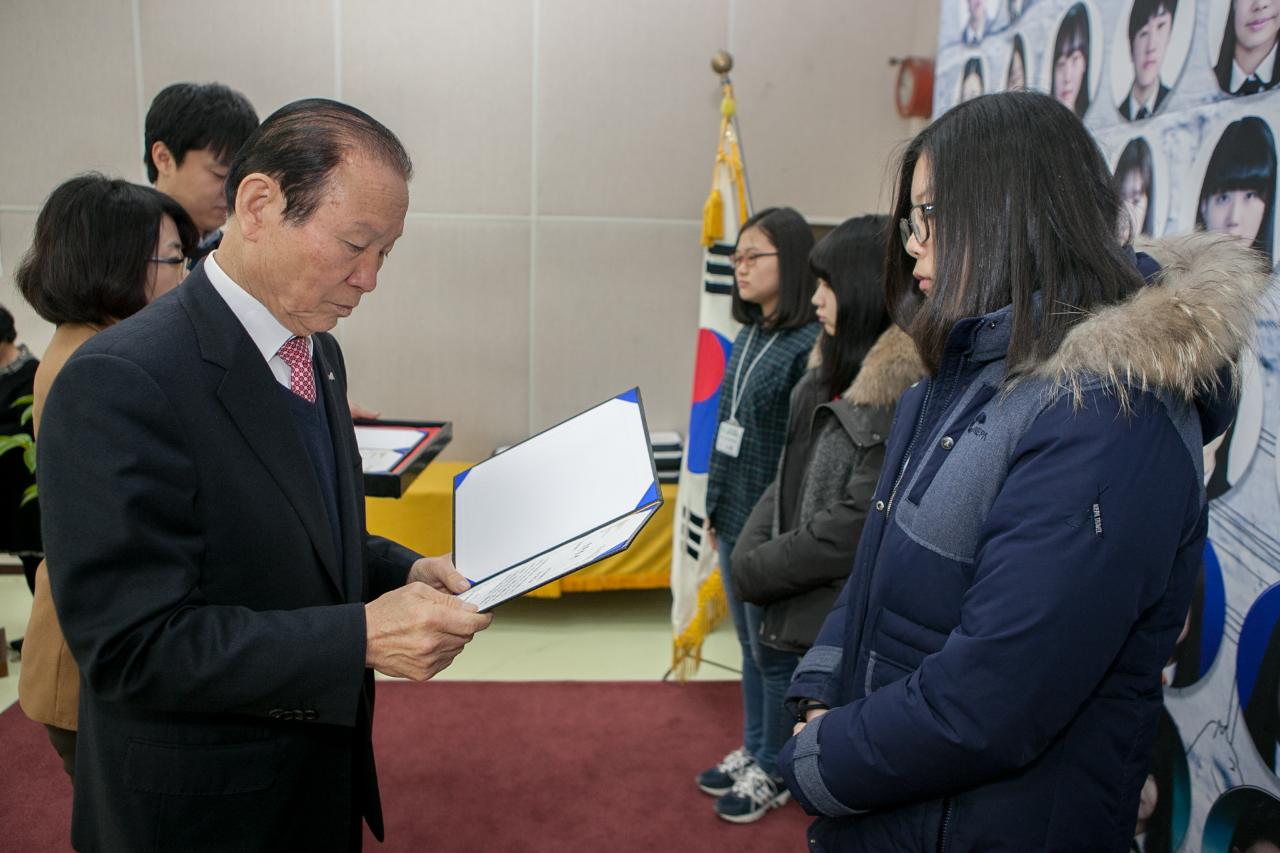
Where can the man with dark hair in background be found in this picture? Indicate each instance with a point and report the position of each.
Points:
(1150, 28)
(212, 572)
(193, 131)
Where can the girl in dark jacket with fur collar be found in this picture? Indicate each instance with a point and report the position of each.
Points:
(797, 548)
(989, 679)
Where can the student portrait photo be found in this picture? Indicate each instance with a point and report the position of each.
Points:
(1201, 635)
(1243, 820)
(1150, 47)
(1238, 193)
(1073, 71)
(1164, 805)
(976, 17)
(1242, 44)
(1015, 76)
(1227, 458)
(1258, 676)
(1135, 180)
(972, 79)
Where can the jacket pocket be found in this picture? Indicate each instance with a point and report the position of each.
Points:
(898, 646)
(201, 770)
(882, 671)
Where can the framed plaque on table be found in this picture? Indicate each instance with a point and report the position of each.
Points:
(393, 453)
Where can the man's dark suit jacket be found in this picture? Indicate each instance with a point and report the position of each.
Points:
(220, 635)
(1161, 94)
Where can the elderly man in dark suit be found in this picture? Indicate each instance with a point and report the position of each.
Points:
(209, 558)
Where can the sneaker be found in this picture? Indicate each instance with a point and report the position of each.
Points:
(752, 795)
(719, 780)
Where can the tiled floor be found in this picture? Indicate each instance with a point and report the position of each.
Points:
(584, 636)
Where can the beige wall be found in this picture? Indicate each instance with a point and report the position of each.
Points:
(563, 152)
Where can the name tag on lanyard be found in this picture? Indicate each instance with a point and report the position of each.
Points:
(729, 438)
(729, 435)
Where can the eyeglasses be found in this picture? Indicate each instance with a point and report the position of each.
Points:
(749, 259)
(172, 262)
(916, 224)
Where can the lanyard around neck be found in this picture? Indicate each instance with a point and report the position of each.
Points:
(740, 382)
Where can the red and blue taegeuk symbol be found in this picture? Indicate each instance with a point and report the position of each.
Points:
(708, 373)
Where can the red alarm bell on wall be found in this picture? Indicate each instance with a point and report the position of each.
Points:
(914, 93)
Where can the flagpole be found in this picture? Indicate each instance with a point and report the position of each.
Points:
(697, 594)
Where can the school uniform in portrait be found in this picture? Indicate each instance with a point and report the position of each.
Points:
(1130, 111)
(209, 570)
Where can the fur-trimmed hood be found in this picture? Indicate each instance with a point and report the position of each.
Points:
(1176, 335)
(891, 366)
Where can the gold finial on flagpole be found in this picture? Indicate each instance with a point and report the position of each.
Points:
(722, 62)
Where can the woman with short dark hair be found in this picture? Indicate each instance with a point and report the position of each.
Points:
(103, 249)
(990, 678)
(773, 286)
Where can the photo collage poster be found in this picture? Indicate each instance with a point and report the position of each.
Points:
(1183, 97)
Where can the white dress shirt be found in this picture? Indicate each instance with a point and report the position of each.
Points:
(267, 333)
(1264, 72)
(1135, 107)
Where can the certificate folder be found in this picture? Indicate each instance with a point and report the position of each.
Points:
(555, 503)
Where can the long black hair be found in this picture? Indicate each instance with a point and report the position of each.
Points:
(1136, 157)
(1073, 35)
(1024, 206)
(851, 260)
(1227, 55)
(94, 237)
(792, 238)
(1244, 159)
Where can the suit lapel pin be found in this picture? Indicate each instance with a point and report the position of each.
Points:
(331, 377)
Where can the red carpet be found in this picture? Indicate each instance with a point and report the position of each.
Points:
(501, 767)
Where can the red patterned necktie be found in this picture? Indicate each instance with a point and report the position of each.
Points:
(302, 380)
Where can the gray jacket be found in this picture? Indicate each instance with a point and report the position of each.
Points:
(797, 547)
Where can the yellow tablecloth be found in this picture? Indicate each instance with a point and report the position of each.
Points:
(422, 519)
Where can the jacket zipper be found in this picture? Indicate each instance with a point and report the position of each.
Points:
(924, 409)
(946, 824)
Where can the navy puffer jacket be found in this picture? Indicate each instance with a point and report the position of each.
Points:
(993, 664)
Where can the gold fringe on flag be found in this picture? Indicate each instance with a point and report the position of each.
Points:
(686, 652)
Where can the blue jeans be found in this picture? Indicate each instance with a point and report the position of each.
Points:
(766, 674)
